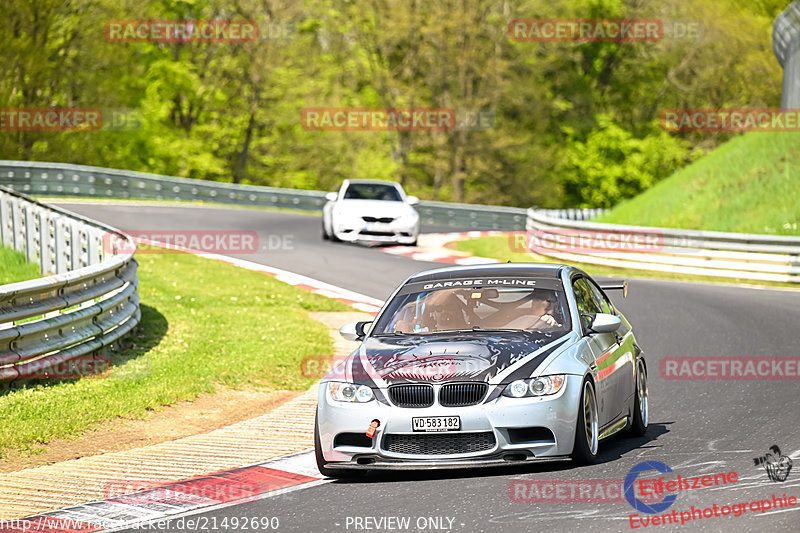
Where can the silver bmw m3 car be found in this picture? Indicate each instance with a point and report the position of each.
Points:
(483, 365)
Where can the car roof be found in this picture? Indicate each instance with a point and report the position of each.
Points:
(536, 270)
(372, 182)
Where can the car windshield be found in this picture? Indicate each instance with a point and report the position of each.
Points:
(372, 191)
(475, 309)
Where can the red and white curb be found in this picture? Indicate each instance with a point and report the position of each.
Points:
(432, 248)
(175, 500)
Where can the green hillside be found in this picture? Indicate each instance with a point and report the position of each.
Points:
(750, 184)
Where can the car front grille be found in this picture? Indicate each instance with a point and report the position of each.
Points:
(384, 220)
(376, 233)
(462, 394)
(438, 443)
(411, 395)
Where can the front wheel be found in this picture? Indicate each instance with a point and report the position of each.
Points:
(641, 414)
(587, 426)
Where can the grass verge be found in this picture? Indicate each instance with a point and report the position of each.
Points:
(499, 247)
(205, 324)
(14, 267)
(747, 185)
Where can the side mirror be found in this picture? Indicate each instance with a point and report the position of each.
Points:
(605, 323)
(354, 331)
(331, 196)
(412, 200)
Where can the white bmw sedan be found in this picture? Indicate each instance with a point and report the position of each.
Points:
(371, 211)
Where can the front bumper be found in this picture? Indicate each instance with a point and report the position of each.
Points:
(503, 426)
(394, 232)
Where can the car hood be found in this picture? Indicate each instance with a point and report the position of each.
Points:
(493, 358)
(376, 208)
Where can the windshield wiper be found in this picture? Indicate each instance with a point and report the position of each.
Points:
(389, 334)
(477, 329)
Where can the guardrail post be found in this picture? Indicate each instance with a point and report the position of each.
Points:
(5, 231)
(45, 259)
(60, 245)
(16, 224)
(30, 234)
(75, 246)
(92, 248)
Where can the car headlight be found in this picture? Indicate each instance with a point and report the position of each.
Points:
(541, 386)
(410, 217)
(350, 392)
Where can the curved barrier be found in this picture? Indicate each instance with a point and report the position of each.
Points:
(61, 179)
(704, 253)
(88, 301)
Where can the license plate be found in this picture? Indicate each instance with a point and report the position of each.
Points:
(376, 226)
(436, 423)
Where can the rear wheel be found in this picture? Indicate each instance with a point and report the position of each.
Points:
(321, 462)
(641, 415)
(587, 426)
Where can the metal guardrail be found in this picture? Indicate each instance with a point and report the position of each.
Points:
(571, 214)
(60, 179)
(88, 303)
(704, 253)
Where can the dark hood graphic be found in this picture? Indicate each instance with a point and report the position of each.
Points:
(442, 358)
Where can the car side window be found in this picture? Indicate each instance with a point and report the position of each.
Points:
(600, 299)
(585, 300)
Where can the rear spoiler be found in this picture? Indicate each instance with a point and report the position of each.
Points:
(615, 285)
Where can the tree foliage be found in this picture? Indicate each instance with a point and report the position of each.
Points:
(573, 123)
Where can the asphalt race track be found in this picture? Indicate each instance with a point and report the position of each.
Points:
(697, 427)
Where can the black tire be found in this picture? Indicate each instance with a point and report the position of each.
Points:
(641, 414)
(584, 451)
(325, 471)
(331, 236)
(325, 236)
